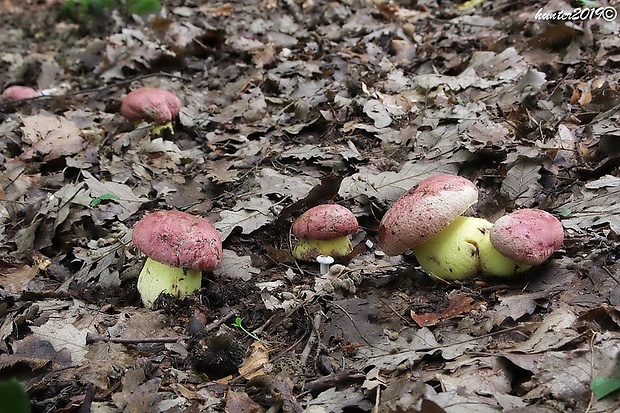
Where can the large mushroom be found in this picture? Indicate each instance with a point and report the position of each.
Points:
(520, 240)
(17, 92)
(179, 246)
(427, 219)
(153, 105)
(324, 230)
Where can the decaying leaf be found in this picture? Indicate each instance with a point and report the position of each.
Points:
(249, 217)
(555, 331)
(63, 335)
(459, 304)
(391, 185)
(594, 205)
(15, 279)
(51, 136)
(138, 394)
(521, 183)
(240, 402)
(254, 364)
(236, 267)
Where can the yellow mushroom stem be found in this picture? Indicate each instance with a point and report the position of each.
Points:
(452, 254)
(156, 278)
(494, 264)
(156, 130)
(308, 249)
(159, 129)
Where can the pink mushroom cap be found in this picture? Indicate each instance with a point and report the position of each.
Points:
(527, 236)
(325, 222)
(179, 239)
(425, 210)
(150, 104)
(19, 92)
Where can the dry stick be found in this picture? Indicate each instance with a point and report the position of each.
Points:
(316, 324)
(94, 338)
(333, 380)
(92, 90)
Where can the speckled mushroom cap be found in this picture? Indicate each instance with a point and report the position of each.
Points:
(150, 104)
(527, 236)
(17, 92)
(179, 239)
(325, 222)
(425, 210)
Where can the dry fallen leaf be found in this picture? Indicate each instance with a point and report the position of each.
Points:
(459, 304)
(256, 361)
(51, 136)
(15, 279)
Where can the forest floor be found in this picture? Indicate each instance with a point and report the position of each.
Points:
(289, 104)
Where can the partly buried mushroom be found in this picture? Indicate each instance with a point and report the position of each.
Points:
(179, 247)
(151, 105)
(324, 230)
(18, 92)
(520, 240)
(427, 219)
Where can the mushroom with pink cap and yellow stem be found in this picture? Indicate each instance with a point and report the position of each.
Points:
(153, 105)
(324, 231)
(520, 240)
(427, 219)
(179, 246)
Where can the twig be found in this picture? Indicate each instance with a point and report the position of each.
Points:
(92, 90)
(333, 380)
(316, 324)
(223, 319)
(94, 338)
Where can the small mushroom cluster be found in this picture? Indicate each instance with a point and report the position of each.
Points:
(428, 220)
(180, 246)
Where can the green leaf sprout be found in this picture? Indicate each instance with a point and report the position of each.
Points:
(105, 197)
(238, 323)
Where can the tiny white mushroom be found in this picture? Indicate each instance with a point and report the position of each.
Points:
(325, 261)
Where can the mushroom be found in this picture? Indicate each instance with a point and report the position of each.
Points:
(324, 262)
(151, 105)
(453, 253)
(324, 230)
(425, 220)
(179, 246)
(520, 240)
(19, 92)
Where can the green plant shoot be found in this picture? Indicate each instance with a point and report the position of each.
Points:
(238, 323)
(105, 197)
